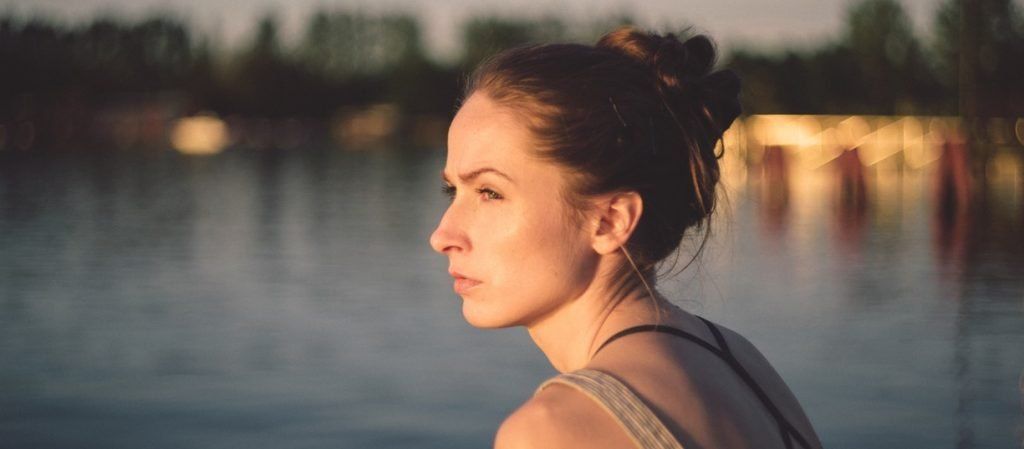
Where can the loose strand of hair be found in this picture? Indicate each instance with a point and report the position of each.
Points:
(643, 279)
(693, 145)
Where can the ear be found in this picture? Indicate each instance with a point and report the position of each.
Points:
(617, 216)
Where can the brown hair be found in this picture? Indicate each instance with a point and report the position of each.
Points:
(636, 112)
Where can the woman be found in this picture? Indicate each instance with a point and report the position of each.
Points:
(573, 172)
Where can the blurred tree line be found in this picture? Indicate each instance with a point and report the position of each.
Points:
(973, 63)
(342, 59)
(878, 65)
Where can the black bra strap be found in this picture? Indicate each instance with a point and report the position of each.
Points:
(661, 329)
(785, 427)
(718, 336)
(725, 354)
(786, 438)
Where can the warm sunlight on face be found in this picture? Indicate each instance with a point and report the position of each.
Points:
(513, 250)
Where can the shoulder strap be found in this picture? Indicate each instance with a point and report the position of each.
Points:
(785, 428)
(666, 330)
(718, 335)
(645, 429)
(723, 352)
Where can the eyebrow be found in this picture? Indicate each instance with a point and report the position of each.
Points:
(467, 177)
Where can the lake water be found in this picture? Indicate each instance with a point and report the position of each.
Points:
(290, 300)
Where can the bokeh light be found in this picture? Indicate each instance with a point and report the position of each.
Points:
(199, 135)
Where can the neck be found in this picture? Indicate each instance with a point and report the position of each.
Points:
(570, 334)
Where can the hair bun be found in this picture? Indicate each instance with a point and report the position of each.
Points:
(674, 63)
(682, 70)
(723, 102)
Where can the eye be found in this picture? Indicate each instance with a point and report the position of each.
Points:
(489, 194)
(448, 190)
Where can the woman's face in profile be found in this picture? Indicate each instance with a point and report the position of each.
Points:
(513, 251)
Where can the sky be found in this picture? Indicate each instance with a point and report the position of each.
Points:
(763, 24)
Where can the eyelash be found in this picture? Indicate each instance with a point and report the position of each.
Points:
(449, 191)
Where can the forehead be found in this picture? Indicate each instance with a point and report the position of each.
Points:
(485, 133)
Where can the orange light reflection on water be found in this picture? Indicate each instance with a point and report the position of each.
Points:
(813, 141)
(872, 169)
(199, 135)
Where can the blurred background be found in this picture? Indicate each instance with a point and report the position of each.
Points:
(214, 218)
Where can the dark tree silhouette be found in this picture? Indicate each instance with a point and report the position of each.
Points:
(980, 49)
(345, 61)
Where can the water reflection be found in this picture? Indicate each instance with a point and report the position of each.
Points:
(851, 198)
(284, 297)
(969, 238)
(774, 190)
(969, 277)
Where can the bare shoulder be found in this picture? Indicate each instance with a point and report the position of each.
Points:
(560, 417)
(755, 362)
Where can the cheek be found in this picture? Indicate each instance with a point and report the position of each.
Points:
(539, 253)
(533, 264)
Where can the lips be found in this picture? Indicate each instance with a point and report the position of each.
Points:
(462, 283)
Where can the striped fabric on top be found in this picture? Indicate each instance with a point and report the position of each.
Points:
(645, 429)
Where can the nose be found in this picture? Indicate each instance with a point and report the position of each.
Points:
(448, 236)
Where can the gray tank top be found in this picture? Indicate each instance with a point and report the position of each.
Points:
(643, 427)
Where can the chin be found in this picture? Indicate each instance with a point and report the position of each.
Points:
(481, 318)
